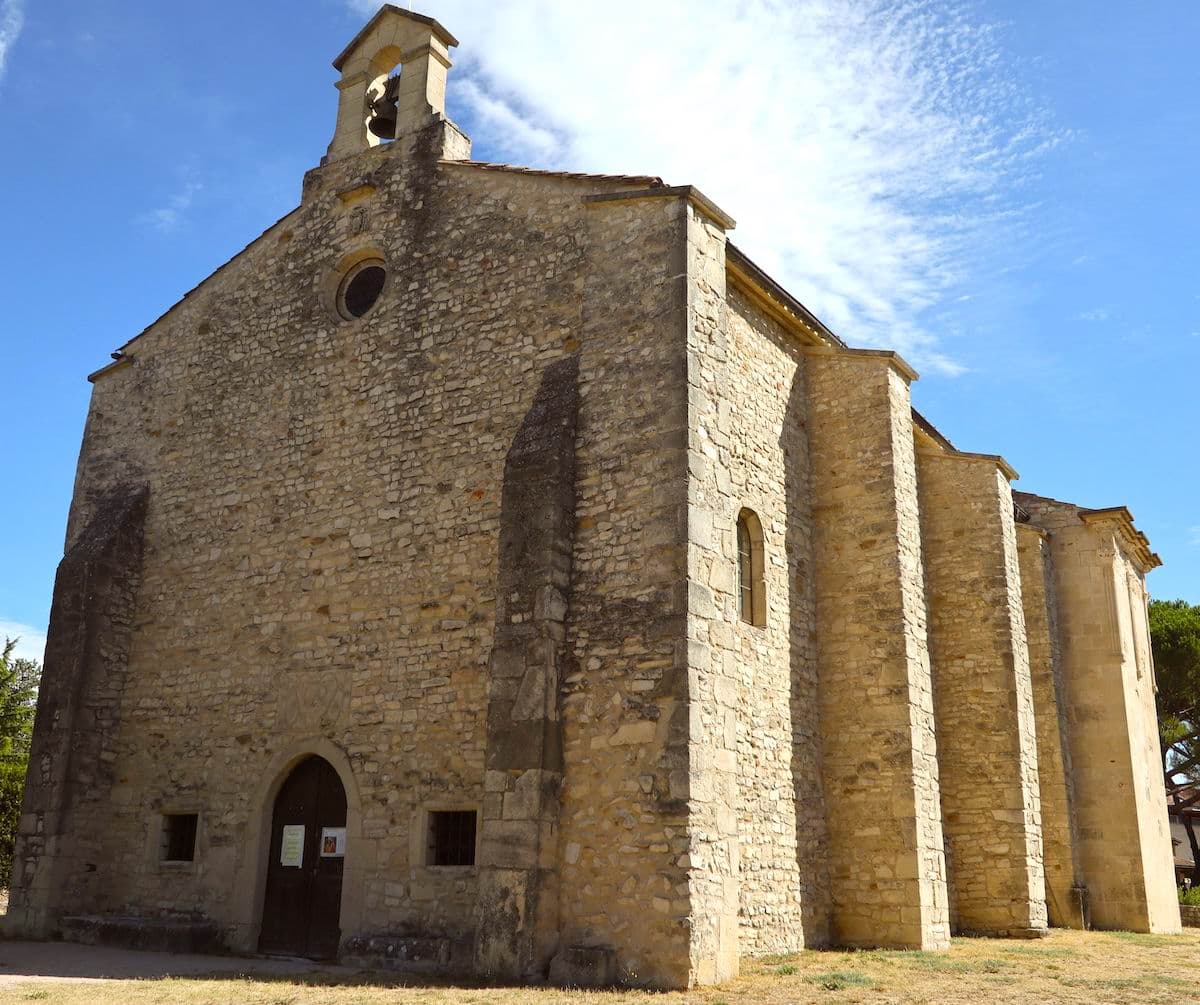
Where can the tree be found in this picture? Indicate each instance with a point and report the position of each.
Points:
(1175, 639)
(19, 680)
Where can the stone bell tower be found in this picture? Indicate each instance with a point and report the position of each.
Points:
(393, 85)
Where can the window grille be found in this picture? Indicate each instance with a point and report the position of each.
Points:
(179, 837)
(452, 837)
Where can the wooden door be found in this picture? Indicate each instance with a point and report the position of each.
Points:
(304, 872)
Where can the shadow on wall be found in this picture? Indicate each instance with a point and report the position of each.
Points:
(811, 837)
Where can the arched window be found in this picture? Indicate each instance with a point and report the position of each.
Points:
(751, 585)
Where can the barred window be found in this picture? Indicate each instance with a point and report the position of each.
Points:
(179, 837)
(452, 837)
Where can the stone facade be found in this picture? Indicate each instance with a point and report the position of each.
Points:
(983, 694)
(478, 549)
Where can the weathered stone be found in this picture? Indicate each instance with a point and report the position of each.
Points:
(983, 695)
(478, 548)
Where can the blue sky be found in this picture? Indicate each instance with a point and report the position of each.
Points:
(1003, 191)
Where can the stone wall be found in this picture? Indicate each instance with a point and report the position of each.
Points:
(750, 450)
(1154, 831)
(321, 552)
(751, 418)
(73, 761)
(624, 830)
(1055, 777)
(517, 911)
(983, 696)
(477, 549)
(1124, 844)
(714, 847)
(887, 865)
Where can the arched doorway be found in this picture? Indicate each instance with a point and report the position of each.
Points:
(304, 868)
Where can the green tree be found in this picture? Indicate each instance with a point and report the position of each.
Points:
(19, 680)
(18, 695)
(1175, 639)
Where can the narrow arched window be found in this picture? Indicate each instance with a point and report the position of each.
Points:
(751, 587)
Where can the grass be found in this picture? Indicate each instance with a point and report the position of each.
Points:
(839, 980)
(1140, 939)
(1073, 968)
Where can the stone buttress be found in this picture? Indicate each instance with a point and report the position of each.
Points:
(1065, 892)
(886, 861)
(72, 763)
(476, 546)
(517, 931)
(1098, 562)
(983, 698)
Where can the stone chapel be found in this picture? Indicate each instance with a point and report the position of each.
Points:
(492, 570)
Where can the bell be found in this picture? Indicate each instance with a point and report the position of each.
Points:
(383, 111)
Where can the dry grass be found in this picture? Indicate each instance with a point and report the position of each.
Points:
(1067, 967)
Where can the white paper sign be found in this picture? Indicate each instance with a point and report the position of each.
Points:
(333, 842)
(291, 848)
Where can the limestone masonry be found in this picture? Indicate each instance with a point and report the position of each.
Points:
(493, 570)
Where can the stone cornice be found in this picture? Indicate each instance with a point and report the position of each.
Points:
(1006, 469)
(774, 299)
(116, 364)
(1033, 528)
(894, 359)
(693, 195)
(438, 30)
(1120, 520)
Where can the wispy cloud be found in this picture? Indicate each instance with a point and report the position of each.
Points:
(12, 20)
(169, 216)
(1194, 536)
(509, 129)
(1098, 314)
(32, 641)
(873, 151)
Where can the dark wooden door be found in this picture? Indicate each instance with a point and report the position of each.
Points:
(304, 886)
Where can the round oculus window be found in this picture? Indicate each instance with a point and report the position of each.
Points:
(360, 289)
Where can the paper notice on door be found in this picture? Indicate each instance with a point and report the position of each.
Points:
(333, 842)
(291, 848)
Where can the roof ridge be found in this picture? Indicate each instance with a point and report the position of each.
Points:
(653, 181)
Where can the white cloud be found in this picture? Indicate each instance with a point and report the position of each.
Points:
(871, 150)
(1099, 314)
(1194, 536)
(168, 217)
(31, 643)
(506, 127)
(12, 20)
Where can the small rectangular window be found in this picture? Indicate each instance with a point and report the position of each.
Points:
(179, 837)
(452, 837)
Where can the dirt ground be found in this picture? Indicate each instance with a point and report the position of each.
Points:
(1065, 967)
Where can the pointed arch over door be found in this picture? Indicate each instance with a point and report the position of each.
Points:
(306, 861)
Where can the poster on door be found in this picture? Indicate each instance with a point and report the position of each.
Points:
(291, 848)
(333, 842)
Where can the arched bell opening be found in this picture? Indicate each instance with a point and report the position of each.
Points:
(383, 96)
